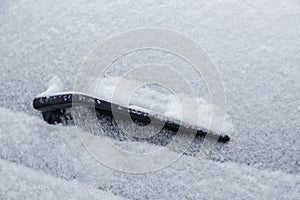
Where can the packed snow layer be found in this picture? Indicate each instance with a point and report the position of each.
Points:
(19, 182)
(255, 46)
(60, 154)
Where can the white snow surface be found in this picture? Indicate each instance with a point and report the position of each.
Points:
(60, 154)
(254, 44)
(19, 182)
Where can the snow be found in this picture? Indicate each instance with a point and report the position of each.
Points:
(60, 154)
(19, 182)
(255, 46)
(55, 86)
(162, 103)
(151, 99)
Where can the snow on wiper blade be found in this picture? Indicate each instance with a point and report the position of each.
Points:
(53, 109)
